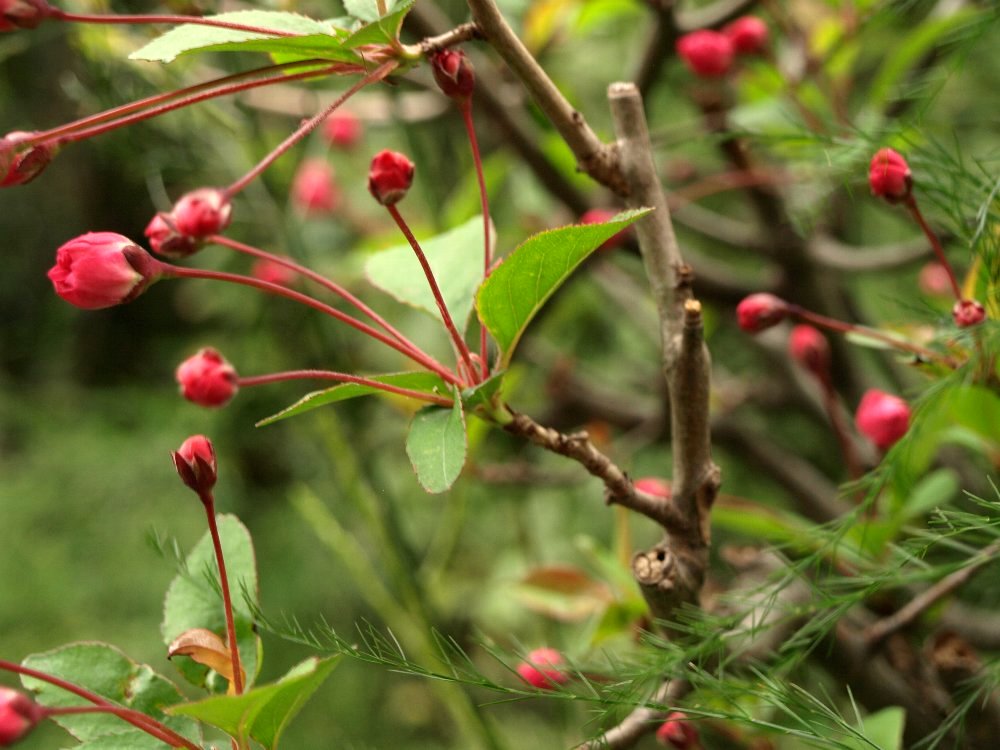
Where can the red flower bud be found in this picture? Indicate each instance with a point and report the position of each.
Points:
(760, 311)
(19, 165)
(102, 269)
(653, 486)
(748, 35)
(342, 129)
(600, 216)
(22, 14)
(313, 188)
(18, 716)
(165, 240)
(809, 348)
(678, 731)
(453, 73)
(390, 176)
(273, 273)
(968, 312)
(195, 463)
(542, 669)
(207, 379)
(882, 418)
(202, 212)
(889, 176)
(934, 280)
(706, 53)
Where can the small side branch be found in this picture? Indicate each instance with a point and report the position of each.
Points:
(641, 721)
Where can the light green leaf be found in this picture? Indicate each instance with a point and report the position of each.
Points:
(456, 257)
(194, 600)
(417, 381)
(367, 10)
(516, 290)
(382, 30)
(105, 670)
(315, 38)
(264, 712)
(883, 730)
(436, 446)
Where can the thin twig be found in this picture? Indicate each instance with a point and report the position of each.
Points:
(641, 721)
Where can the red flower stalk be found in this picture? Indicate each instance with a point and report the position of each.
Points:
(195, 463)
(889, 176)
(102, 269)
(761, 311)
(748, 35)
(207, 379)
(706, 53)
(22, 161)
(882, 418)
(390, 177)
(342, 129)
(678, 732)
(453, 73)
(543, 669)
(18, 716)
(313, 187)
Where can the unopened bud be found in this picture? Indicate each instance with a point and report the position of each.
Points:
(314, 189)
(706, 53)
(165, 240)
(22, 14)
(968, 312)
(882, 418)
(453, 73)
(195, 463)
(889, 176)
(20, 164)
(207, 378)
(390, 177)
(18, 716)
(760, 311)
(202, 212)
(653, 486)
(810, 349)
(102, 269)
(543, 669)
(749, 35)
(678, 732)
(342, 129)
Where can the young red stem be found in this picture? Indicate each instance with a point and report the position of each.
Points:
(932, 237)
(343, 378)
(319, 279)
(227, 602)
(152, 726)
(146, 723)
(306, 127)
(465, 107)
(61, 15)
(416, 355)
(449, 324)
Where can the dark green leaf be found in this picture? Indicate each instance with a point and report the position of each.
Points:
(436, 446)
(482, 395)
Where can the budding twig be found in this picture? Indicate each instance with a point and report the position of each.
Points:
(341, 377)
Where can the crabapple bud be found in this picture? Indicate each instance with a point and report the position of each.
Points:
(390, 176)
(653, 486)
(165, 240)
(313, 188)
(202, 212)
(19, 165)
(809, 348)
(195, 463)
(102, 269)
(542, 669)
(453, 73)
(706, 53)
(934, 280)
(272, 272)
(600, 216)
(889, 176)
(748, 35)
(342, 129)
(18, 716)
(968, 312)
(678, 732)
(207, 379)
(760, 311)
(22, 14)
(882, 418)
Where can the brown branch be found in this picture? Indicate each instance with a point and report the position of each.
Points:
(462, 33)
(640, 721)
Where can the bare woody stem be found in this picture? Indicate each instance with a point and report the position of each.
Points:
(139, 720)
(342, 377)
(61, 15)
(449, 324)
(911, 204)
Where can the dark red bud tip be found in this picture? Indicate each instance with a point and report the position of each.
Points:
(207, 379)
(22, 14)
(390, 176)
(810, 349)
(749, 35)
(653, 486)
(102, 269)
(342, 129)
(195, 463)
(678, 731)
(18, 716)
(968, 312)
(706, 53)
(202, 212)
(889, 176)
(543, 669)
(760, 311)
(20, 164)
(882, 418)
(453, 73)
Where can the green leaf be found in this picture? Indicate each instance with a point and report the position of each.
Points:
(315, 38)
(883, 730)
(105, 670)
(417, 381)
(382, 30)
(456, 258)
(264, 712)
(194, 600)
(367, 10)
(436, 446)
(484, 394)
(516, 290)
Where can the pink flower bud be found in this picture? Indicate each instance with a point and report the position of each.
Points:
(889, 176)
(934, 280)
(600, 216)
(165, 240)
(542, 669)
(968, 312)
(22, 14)
(749, 35)
(313, 189)
(653, 486)
(809, 348)
(760, 311)
(706, 53)
(390, 176)
(273, 273)
(202, 212)
(18, 716)
(453, 73)
(678, 731)
(102, 269)
(882, 418)
(342, 129)
(19, 164)
(195, 463)
(207, 379)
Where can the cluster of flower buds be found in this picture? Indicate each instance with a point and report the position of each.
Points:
(207, 379)
(710, 54)
(882, 418)
(678, 731)
(198, 214)
(543, 669)
(390, 177)
(102, 269)
(18, 716)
